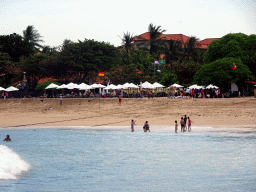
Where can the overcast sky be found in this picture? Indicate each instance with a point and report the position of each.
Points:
(107, 20)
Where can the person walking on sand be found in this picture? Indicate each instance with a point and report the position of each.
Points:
(132, 125)
(120, 99)
(60, 99)
(146, 127)
(189, 124)
(176, 126)
(182, 124)
(7, 138)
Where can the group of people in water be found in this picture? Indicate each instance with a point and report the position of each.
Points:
(183, 124)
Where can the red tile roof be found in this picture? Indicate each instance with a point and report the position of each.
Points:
(206, 42)
(180, 37)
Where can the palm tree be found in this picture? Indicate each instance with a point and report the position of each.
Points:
(128, 43)
(32, 38)
(190, 49)
(174, 51)
(155, 42)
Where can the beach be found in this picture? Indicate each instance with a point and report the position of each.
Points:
(94, 112)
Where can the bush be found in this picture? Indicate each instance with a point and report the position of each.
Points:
(42, 86)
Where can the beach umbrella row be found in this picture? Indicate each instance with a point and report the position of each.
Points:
(9, 89)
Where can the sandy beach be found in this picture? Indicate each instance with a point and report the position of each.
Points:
(47, 112)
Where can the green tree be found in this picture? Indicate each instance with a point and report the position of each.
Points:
(128, 44)
(191, 49)
(221, 74)
(156, 43)
(169, 79)
(85, 57)
(237, 45)
(32, 39)
(14, 45)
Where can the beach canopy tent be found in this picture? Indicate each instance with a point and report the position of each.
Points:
(111, 86)
(73, 86)
(195, 86)
(175, 85)
(212, 87)
(147, 85)
(2, 89)
(85, 87)
(52, 86)
(129, 85)
(11, 88)
(157, 85)
(63, 86)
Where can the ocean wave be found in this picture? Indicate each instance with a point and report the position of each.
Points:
(11, 165)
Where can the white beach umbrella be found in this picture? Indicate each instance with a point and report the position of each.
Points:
(101, 86)
(11, 88)
(85, 87)
(133, 86)
(2, 89)
(212, 87)
(111, 86)
(176, 85)
(52, 86)
(126, 86)
(157, 85)
(147, 85)
(73, 86)
(63, 86)
(119, 86)
(195, 86)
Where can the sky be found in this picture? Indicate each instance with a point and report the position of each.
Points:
(108, 20)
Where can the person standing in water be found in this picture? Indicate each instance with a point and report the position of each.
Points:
(182, 124)
(176, 126)
(189, 124)
(146, 127)
(7, 138)
(132, 125)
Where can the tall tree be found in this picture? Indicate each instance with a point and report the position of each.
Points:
(236, 45)
(191, 49)
(14, 45)
(155, 43)
(32, 38)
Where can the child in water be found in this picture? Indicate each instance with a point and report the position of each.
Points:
(146, 127)
(176, 126)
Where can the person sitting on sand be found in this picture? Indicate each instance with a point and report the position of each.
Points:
(132, 125)
(7, 138)
(146, 127)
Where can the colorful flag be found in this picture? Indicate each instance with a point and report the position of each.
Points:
(161, 61)
(101, 74)
(157, 62)
(233, 66)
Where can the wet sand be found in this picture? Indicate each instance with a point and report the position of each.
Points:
(38, 112)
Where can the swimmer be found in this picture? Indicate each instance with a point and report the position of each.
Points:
(7, 138)
(176, 126)
(146, 127)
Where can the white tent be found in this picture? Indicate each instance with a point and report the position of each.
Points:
(111, 86)
(63, 86)
(212, 87)
(147, 85)
(52, 86)
(176, 85)
(2, 89)
(195, 86)
(85, 87)
(157, 85)
(11, 88)
(73, 86)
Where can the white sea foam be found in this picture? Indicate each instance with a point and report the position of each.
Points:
(11, 165)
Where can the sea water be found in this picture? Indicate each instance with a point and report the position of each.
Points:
(112, 159)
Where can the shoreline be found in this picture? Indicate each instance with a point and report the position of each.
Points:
(215, 113)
